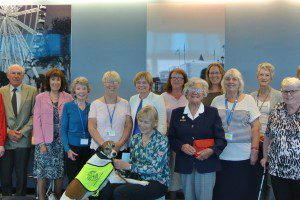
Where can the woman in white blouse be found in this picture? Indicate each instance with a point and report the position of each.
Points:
(109, 116)
(143, 83)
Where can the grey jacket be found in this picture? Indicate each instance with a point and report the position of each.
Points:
(275, 97)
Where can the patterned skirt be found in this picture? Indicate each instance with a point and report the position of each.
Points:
(51, 164)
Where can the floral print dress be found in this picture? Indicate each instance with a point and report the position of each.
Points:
(51, 164)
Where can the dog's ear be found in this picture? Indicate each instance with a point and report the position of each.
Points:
(99, 149)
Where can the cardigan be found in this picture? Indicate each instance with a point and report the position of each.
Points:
(157, 102)
(183, 130)
(275, 97)
(72, 129)
(43, 116)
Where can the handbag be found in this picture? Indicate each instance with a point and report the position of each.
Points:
(200, 145)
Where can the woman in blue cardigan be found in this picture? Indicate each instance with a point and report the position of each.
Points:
(193, 126)
(74, 130)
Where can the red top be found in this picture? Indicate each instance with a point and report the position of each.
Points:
(2, 123)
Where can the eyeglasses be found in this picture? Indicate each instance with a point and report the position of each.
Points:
(177, 78)
(198, 90)
(214, 73)
(289, 91)
(112, 82)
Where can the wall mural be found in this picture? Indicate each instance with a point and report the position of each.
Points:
(37, 37)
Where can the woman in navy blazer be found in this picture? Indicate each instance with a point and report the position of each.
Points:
(196, 122)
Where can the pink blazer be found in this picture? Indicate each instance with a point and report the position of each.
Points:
(43, 116)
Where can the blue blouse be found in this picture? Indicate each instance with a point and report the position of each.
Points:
(151, 162)
(72, 128)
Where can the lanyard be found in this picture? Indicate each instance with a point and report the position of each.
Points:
(110, 116)
(81, 120)
(229, 114)
(263, 101)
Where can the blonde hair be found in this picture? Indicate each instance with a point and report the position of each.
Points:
(236, 74)
(290, 81)
(111, 74)
(267, 66)
(82, 81)
(149, 113)
(147, 76)
(193, 81)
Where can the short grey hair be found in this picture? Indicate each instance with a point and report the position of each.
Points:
(82, 81)
(233, 72)
(111, 74)
(15, 65)
(193, 81)
(290, 81)
(266, 66)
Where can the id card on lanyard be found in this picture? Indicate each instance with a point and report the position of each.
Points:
(229, 114)
(110, 132)
(83, 140)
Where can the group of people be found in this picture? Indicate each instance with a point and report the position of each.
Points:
(206, 137)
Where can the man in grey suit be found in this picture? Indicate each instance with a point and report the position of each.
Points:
(18, 101)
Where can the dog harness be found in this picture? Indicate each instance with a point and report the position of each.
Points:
(92, 176)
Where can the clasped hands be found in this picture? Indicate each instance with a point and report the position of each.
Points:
(202, 155)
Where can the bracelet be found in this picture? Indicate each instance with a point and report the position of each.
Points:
(256, 148)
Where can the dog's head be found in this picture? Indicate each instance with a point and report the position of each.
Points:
(107, 149)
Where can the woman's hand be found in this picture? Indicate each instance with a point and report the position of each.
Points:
(117, 146)
(188, 149)
(263, 162)
(120, 164)
(72, 155)
(2, 151)
(253, 156)
(43, 149)
(204, 154)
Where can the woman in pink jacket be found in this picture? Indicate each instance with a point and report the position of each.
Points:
(49, 153)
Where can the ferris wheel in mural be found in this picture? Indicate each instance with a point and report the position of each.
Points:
(21, 29)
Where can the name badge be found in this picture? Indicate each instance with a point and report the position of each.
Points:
(84, 141)
(111, 133)
(228, 136)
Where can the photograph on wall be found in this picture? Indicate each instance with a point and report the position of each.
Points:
(37, 37)
(188, 36)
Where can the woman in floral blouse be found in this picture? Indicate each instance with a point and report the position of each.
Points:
(149, 155)
(282, 143)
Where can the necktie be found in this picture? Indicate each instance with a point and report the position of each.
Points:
(136, 125)
(14, 102)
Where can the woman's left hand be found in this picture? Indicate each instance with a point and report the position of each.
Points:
(253, 156)
(120, 164)
(204, 154)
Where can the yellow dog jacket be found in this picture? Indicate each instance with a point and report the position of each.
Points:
(92, 177)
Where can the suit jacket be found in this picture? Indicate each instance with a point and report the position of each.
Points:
(43, 124)
(157, 102)
(183, 130)
(23, 122)
(275, 97)
(2, 123)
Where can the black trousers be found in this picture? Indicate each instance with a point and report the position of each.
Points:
(14, 159)
(74, 167)
(129, 191)
(285, 189)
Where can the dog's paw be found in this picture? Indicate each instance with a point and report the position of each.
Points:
(144, 183)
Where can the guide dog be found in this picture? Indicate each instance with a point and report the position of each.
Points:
(104, 155)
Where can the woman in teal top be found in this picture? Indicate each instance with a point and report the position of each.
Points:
(74, 130)
(149, 159)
